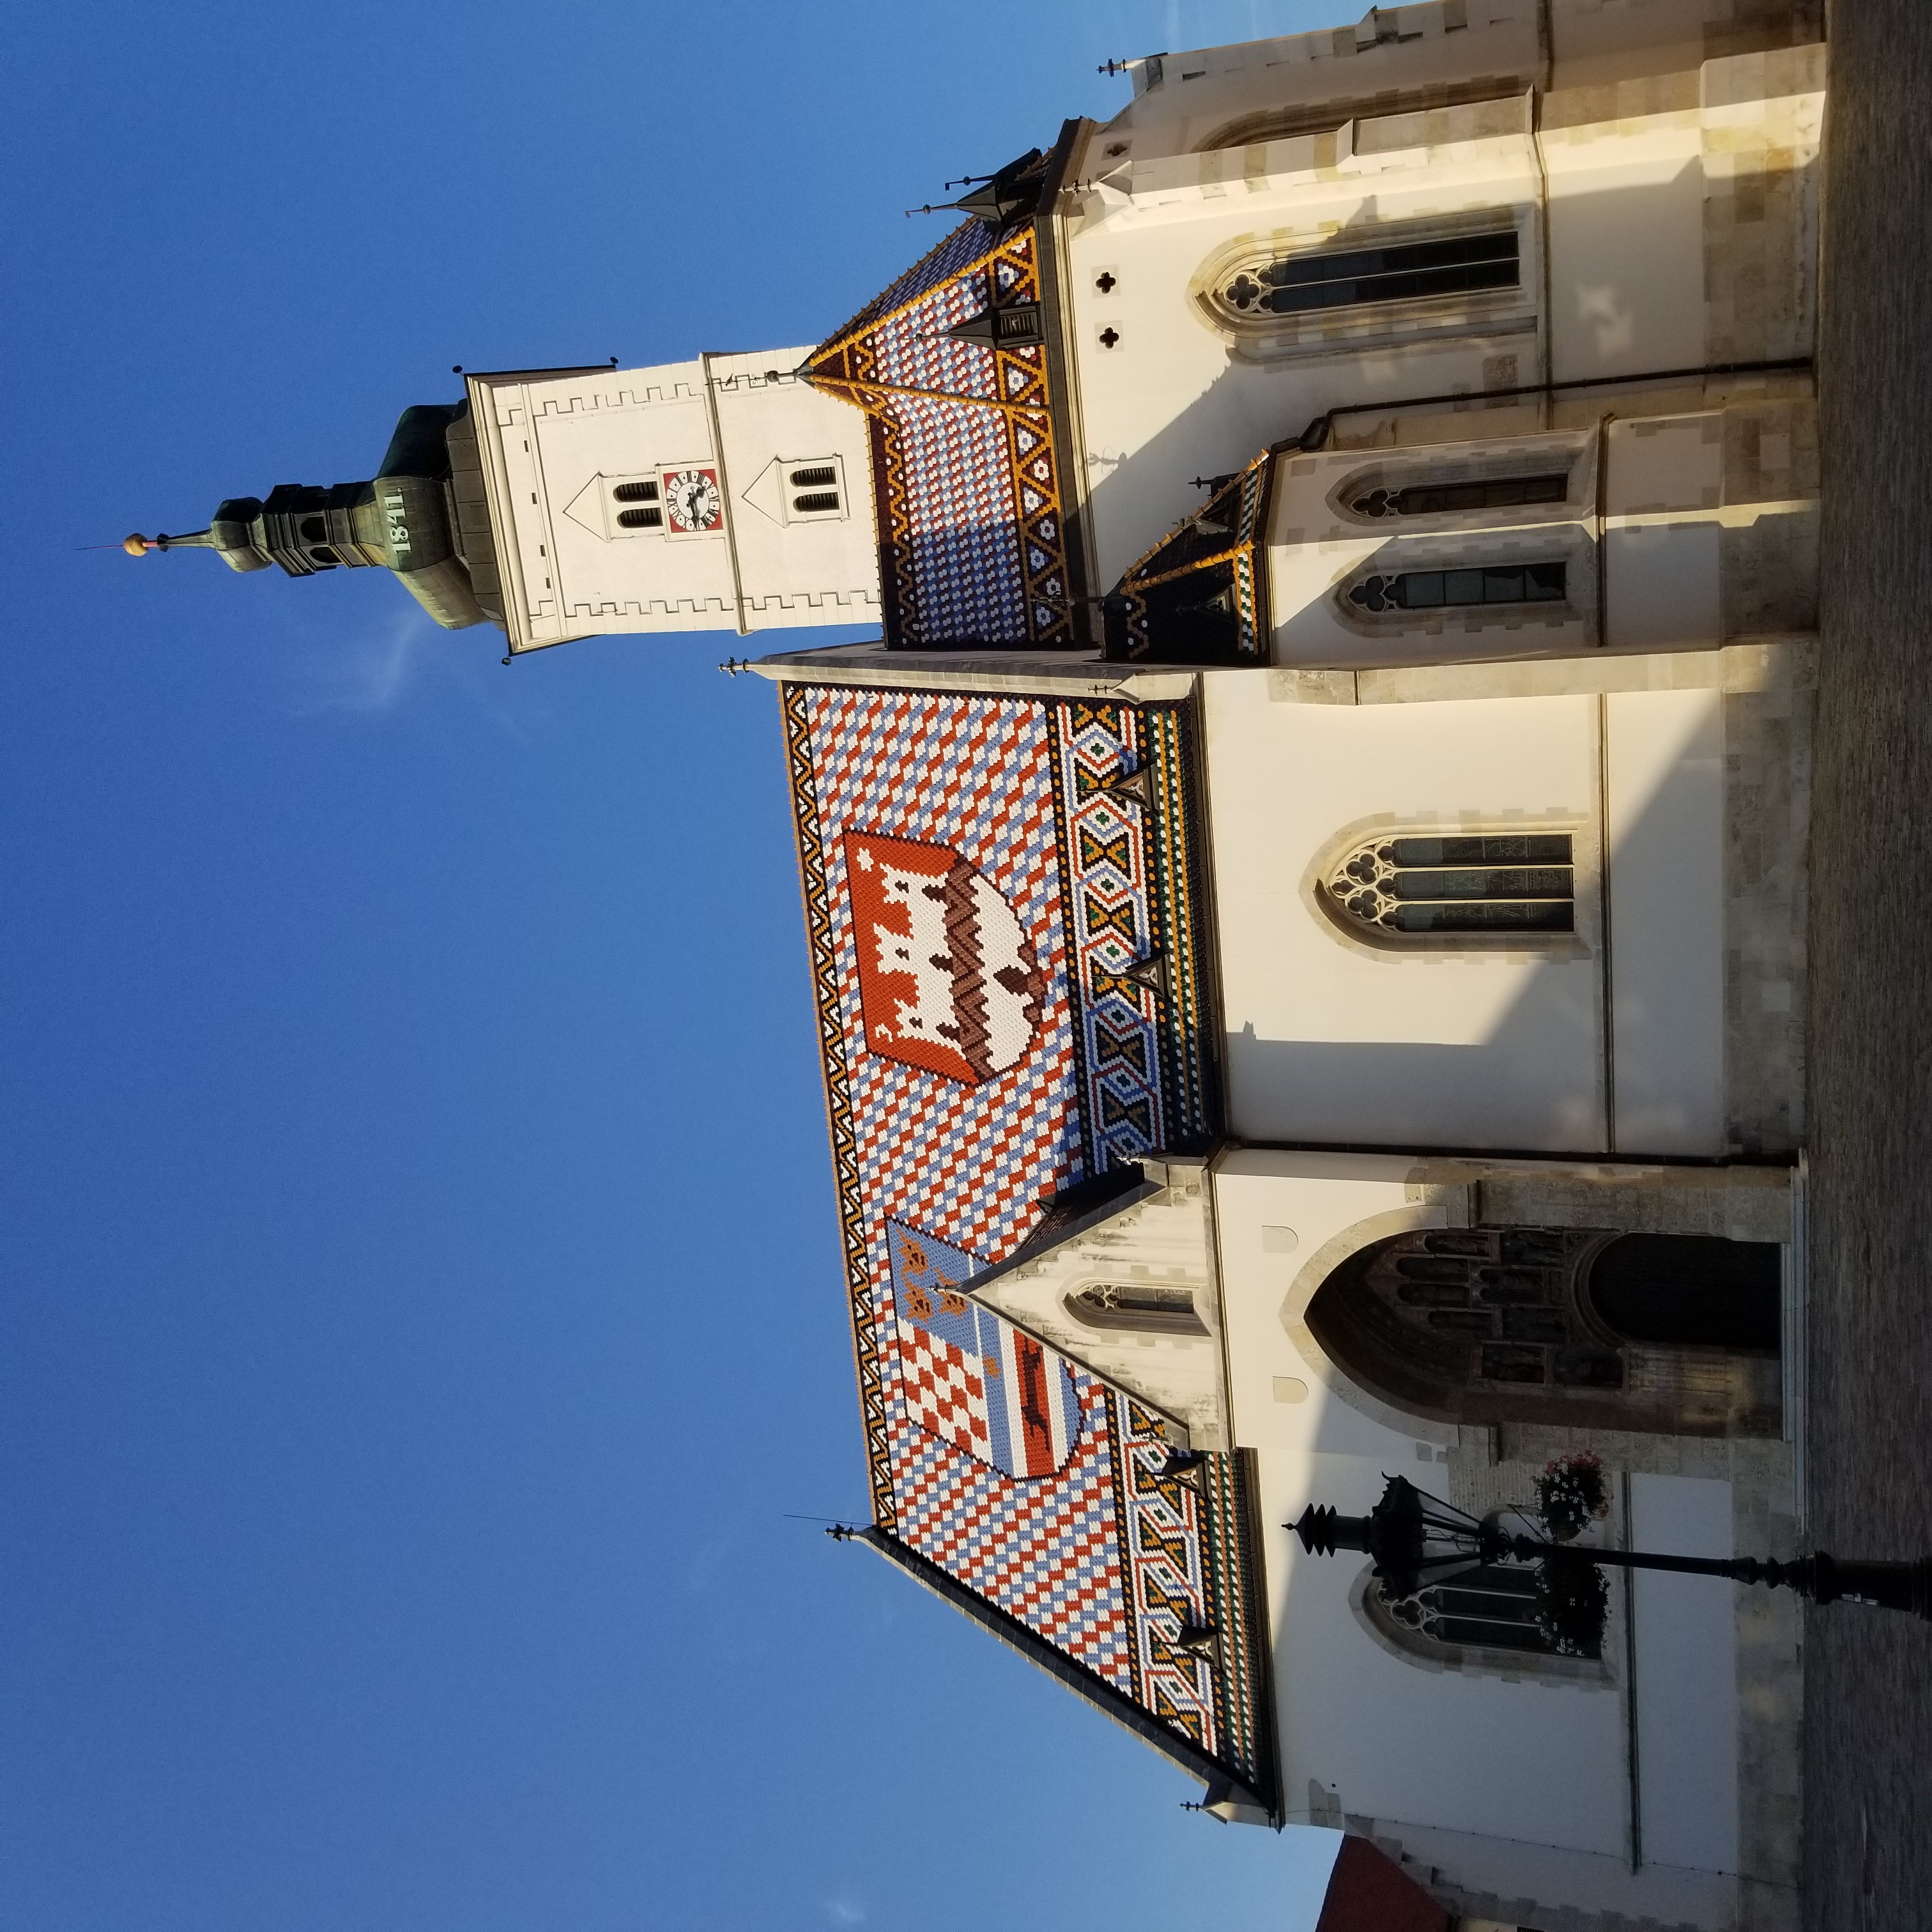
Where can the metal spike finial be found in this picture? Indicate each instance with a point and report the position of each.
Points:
(731, 667)
(843, 1532)
(138, 545)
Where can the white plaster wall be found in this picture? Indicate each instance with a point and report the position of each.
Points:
(817, 572)
(1626, 246)
(1665, 798)
(1613, 217)
(1169, 401)
(1528, 1759)
(1532, 1759)
(1329, 1041)
(1520, 1788)
(1687, 1675)
(1274, 1215)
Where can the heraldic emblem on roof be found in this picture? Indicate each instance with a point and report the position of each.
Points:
(1003, 910)
(947, 979)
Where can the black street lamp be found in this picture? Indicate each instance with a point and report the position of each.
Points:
(1409, 1533)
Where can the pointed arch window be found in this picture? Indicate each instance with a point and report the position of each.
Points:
(1333, 278)
(1469, 883)
(1448, 499)
(1455, 589)
(1487, 1606)
(1153, 1307)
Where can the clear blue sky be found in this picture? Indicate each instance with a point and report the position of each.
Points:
(421, 1299)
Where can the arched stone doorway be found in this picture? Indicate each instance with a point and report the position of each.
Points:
(1579, 1327)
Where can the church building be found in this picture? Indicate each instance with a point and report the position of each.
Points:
(1305, 893)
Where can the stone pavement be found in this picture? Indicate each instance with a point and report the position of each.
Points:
(1868, 1676)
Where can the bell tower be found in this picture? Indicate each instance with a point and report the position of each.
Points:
(720, 494)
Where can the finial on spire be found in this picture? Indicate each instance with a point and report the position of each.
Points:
(137, 545)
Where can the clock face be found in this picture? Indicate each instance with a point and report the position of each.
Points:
(692, 500)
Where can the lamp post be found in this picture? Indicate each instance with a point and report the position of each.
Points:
(1409, 1533)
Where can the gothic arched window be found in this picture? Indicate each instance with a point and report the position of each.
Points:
(1478, 883)
(1487, 1606)
(1333, 278)
(1454, 590)
(1507, 1324)
(1159, 1307)
(1444, 499)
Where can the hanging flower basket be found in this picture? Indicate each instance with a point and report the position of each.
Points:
(1572, 1601)
(1571, 1495)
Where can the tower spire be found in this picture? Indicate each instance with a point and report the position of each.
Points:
(406, 519)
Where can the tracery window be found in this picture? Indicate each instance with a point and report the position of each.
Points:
(1487, 1606)
(1159, 1306)
(1581, 1327)
(1452, 589)
(1440, 499)
(1330, 278)
(1482, 882)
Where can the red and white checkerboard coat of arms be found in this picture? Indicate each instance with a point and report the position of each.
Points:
(947, 980)
(969, 1377)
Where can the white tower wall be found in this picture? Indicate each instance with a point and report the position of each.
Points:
(567, 457)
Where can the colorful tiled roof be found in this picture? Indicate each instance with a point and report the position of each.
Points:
(966, 476)
(1200, 594)
(1002, 898)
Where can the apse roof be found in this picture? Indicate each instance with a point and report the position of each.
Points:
(1008, 955)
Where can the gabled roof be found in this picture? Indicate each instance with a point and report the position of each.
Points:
(1200, 594)
(955, 364)
(979, 894)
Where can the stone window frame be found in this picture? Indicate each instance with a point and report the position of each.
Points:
(1371, 325)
